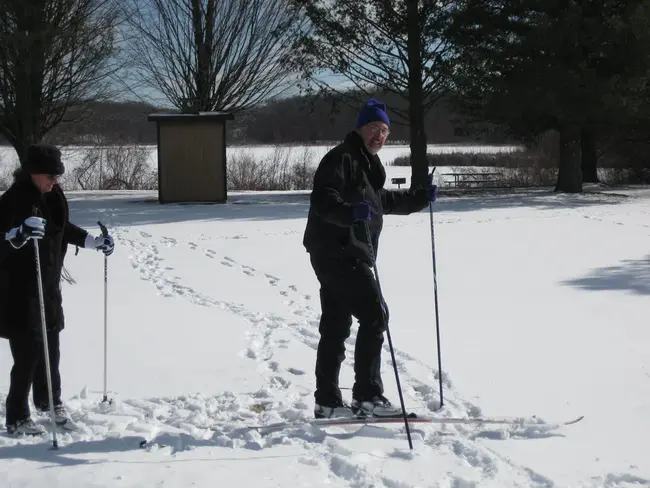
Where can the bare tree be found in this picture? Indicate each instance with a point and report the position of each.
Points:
(206, 55)
(381, 46)
(54, 55)
(124, 166)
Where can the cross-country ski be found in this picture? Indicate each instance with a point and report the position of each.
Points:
(521, 423)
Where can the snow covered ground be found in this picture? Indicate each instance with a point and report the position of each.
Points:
(213, 313)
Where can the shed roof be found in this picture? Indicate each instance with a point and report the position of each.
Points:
(189, 117)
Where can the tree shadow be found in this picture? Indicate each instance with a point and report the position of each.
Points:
(542, 199)
(142, 208)
(133, 208)
(43, 452)
(631, 275)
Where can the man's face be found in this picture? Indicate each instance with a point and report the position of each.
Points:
(374, 135)
(45, 182)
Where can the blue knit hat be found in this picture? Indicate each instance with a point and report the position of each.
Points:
(372, 111)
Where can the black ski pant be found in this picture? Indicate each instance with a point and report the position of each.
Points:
(348, 289)
(29, 371)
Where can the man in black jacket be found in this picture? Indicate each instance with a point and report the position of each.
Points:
(342, 235)
(34, 207)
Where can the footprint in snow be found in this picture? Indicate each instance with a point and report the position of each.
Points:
(279, 382)
(273, 280)
(168, 241)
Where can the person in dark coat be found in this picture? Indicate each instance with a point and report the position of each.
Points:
(35, 208)
(345, 220)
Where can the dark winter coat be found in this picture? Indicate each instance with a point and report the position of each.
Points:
(19, 299)
(348, 174)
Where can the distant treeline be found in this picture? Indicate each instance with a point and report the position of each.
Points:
(299, 119)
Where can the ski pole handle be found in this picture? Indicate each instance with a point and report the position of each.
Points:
(103, 229)
(431, 174)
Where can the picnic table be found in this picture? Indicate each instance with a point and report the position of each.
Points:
(399, 182)
(472, 180)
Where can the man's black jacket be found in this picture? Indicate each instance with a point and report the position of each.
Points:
(349, 174)
(19, 302)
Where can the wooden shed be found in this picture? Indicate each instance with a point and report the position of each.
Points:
(191, 156)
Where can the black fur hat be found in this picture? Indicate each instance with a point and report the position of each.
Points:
(43, 159)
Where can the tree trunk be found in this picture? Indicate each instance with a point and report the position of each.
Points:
(589, 156)
(24, 124)
(27, 119)
(419, 164)
(569, 177)
(26, 128)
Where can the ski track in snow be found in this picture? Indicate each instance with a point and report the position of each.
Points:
(182, 423)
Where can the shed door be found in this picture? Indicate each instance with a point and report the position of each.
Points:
(192, 161)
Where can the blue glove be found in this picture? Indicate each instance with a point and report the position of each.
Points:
(432, 190)
(361, 211)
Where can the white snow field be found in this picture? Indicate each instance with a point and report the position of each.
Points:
(73, 154)
(213, 323)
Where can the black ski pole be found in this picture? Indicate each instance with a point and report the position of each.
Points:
(390, 341)
(105, 234)
(435, 294)
(46, 350)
